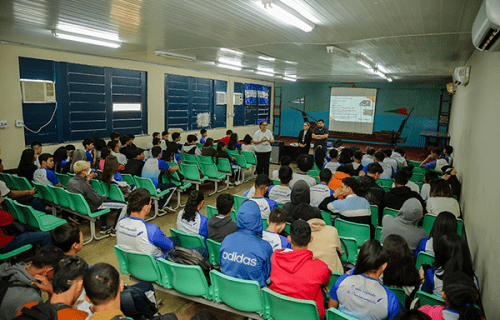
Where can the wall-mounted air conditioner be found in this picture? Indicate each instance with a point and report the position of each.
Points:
(486, 27)
(461, 75)
(38, 91)
(221, 98)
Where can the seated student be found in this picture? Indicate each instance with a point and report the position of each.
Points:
(103, 287)
(319, 157)
(353, 207)
(305, 163)
(208, 148)
(447, 151)
(388, 153)
(37, 148)
(369, 189)
(164, 140)
(176, 137)
(222, 153)
(190, 146)
(299, 207)
(337, 177)
(243, 254)
(452, 254)
(404, 224)
(90, 152)
(135, 235)
(21, 196)
(399, 155)
(150, 142)
(325, 243)
(396, 196)
(67, 166)
(434, 161)
(156, 143)
(134, 166)
(115, 136)
(68, 238)
(110, 175)
(333, 164)
(80, 183)
(411, 314)
(281, 193)
(388, 170)
(105, 152)
(132, 137)
(295, 273)
(60, 157)
(446, 223)
(261, 187)
(460, 295)
(410, 184)
(400, 271)
(189, 219)
(277, 223)
(368, 156)
(34, 278)
(345, 155)
(127, 149)
(67, 285)
(152, 169)
(247, 145)
(233, 143)
(221, 225)
(26, 168)
(442, 199)
(425, 192)
(170, 154)
(450, 175)
(45, 175)
(356, 165)
(284, 161)
(114, 145)
(320, 191)
(204, 134)
(361, 295)
(227, 137)
(98, 145)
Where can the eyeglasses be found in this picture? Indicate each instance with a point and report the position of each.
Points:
(264, 125)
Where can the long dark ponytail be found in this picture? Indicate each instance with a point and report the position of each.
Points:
(195, 198)
(462, 294)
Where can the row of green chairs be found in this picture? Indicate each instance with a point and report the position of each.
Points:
(15, 182)
(74, 203)
(9, 255)
(181, 186)
(429, 220)
(31, 216)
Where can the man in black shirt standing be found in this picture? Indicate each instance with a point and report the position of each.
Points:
(320, 134)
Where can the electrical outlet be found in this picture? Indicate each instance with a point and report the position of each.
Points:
(19, 123)
(3, 123)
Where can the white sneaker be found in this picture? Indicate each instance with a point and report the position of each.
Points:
(238, 183)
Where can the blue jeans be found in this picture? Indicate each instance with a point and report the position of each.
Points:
(38, 237)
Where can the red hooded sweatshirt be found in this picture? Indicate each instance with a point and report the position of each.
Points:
(296, 274)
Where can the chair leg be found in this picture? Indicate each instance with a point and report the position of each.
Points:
(227, 185)
(93, 233)
(169, 195)
(178, 199)
(215, 190)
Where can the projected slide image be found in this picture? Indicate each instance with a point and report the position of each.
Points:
(352, 108)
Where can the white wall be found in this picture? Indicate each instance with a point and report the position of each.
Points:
(475, 135)
(12, 139)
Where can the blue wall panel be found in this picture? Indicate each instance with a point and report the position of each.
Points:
(239, 110)
(219, 113)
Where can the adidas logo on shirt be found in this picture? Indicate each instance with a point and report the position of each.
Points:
(239, 258)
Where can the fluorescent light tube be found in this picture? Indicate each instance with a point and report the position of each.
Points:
(304, 10)
(231, 51)
(382, 68)
(65, 36)
(230, 61)
(379, 73)
(389, 79)
(264, 69)
(227, 66)
(174, 55)
(289, 16)
(267, 58)
(364, 64)
(265, 73)
(290, 79)
(87, 32)
(291, 62)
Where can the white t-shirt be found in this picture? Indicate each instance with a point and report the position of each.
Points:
(264, 146)
(311, 181)
(248, 148)
(3, 189)
(412, 185)
(436, 205)
(425, 193)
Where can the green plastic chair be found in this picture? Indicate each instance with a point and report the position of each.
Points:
(287, 227)
(429, 299)
(22, 183)
(212, 174)
(417, 177)
(351, 252)
(97, 186)
(429, 220)
(374, 215)
(230, 291)
(238, 200)
(249, 157)
(400, 293)
(242, 162)
(276, 182)
(414, 163)
(333, 279)
(192, 175)
(205, 159)
(155, 196)
(199, 145)
(327, 216)
(232, 153)
(9, 181)
(61, 197)
(281, 307)
(14, 210)
(188, 240)
(224, 167)
(181, 187)
(265, 224)
(39, 220)
(424, 258)
(212, 211)
(386, 189)
(113, 192)
(183, 156)
(139, 265)
(378, 233)
(63, 179)
(43, 193)
(190, 157)
(335, 314)
(418, 170)
(187, 279)
(128, 178)
(2, 177)
(358, 231)
(389, 211)
(213, 251)
(385, 182)
(15, 252)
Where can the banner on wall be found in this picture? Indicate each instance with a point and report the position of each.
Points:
(256, 94)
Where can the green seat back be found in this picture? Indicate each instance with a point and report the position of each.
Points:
(183, 156)
(232, 153)
(414, 163)
(29, 215)
(281, 307)
(205, 159)
(460, 227)
(140, 265)
(238, 200)
(350, 250)
(313, 173)
(79, 204)
(429, 220)
(385, 182)
(418, 170)
(15, 211)
(211, 211)
(128, 178)
(191, 157)
(400, 293)
(389, 211)
(416, 177)
(213, 251)
(287, 227)
(358, 231)
(43, 192)
(249, 157)
(327, 216)
(146, 184)
(12, 253)
(333, 279)
(10, 181)
(199, 145)
(188, 240)
(62, 196)
(429, 299)
(265, 224)
(374, 215)
(210, 170)
(242, 162)
(22, 183)
(230, 291)
(386, 189)
(63, 179)
(97, 186)
(335, 314)
(223, 165)
(187, 279)
(424, 258)
(114, 192)
(378, 233)
(276, 182)
(190, 172)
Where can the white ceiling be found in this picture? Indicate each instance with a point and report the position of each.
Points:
(413, 39)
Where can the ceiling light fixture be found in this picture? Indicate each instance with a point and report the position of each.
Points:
(265, 73)
(264, 69)
(233, 62)
(364, 64)
(96, 42)
(379, 73)
(267, 58)
(231, 51)
(287, 15)
(87, 32)
(331, 49)
(291, 62)
(227, 66)
(389, 79)
(382, 68)
(174, 55)
(289, 79)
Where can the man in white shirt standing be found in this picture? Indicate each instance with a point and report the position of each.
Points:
(262, 140)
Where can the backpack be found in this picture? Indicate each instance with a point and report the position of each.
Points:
(41, 311)
(134, 302)
(191, 257)
(5, 284)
